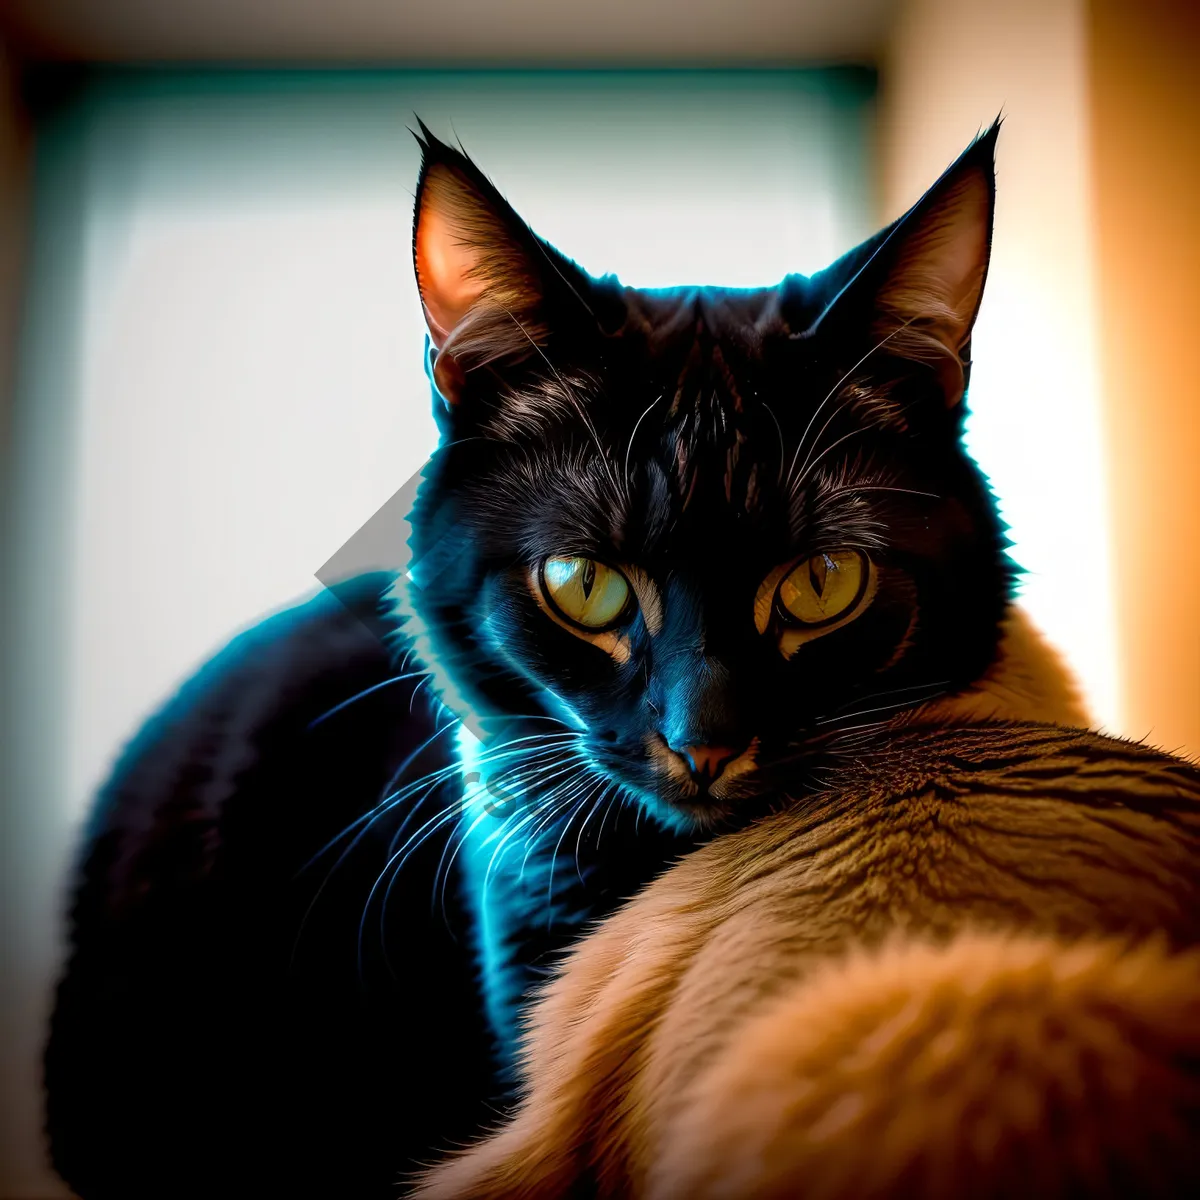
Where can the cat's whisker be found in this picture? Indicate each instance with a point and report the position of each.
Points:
(417, 838)
(779, 432)
(574, 401)
(392, 868)
(802, 474)
(570, 286)
(543, 815)
(531, 769)
(396, 860)
(910, 701)
(872, 725)
(493, 717)
(443, 869)
(607, 809)
(461, 839)
(636, 427)
(413, 698)
(434, 779)
(885, 692)
(543, 779)
(575, 809)
(560, 807)
(454, 808)
(807, 469)
(828, 496)
(583, 827)
(565, 732)
(379, 811)
(520, 774)
(375, 687)
(502, 767)
(837, 387)
(408, 656)
(528, 819)
(384, 804)
(833, 391)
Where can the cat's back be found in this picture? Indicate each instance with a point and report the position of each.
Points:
(970, 967)
(1028, 826)
(976, 955)
(220, 929)
(1009, 828)
(998, 827)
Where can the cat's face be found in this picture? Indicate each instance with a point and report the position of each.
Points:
(708, 528)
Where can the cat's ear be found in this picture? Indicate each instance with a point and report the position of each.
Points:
(480, 269)
(923, 284)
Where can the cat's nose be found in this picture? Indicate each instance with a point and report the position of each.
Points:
(707, 762)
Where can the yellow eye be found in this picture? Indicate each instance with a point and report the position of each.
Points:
(585, 592)
(824, 587)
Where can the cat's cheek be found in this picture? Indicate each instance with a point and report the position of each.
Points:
(522, 635)
(824, 673)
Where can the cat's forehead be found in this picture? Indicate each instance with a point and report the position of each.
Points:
(694, 333)
(716, 351)
(707, 435)
(695, 354)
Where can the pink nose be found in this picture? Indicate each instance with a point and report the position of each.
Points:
(709, 761)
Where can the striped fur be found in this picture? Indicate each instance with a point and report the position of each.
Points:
(968, 970)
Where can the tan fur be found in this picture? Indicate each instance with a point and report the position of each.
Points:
(964, 972)
(1028, 681)
(989, 1067)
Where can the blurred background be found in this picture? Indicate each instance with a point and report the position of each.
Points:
(210, 342)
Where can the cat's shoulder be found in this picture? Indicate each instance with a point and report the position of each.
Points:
(1028, 681)
(295, 724)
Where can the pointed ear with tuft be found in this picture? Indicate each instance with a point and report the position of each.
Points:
(479, 269)
(924, 283)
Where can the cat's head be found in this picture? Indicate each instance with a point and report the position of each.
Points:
(707, 527)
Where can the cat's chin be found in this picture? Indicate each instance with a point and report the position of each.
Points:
(701, 814)
(689, 810)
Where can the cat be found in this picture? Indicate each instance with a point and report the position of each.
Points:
(675, 550)
(697, 532)
(969, 968)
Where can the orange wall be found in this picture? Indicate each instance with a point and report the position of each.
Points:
(1096, 229)
(1144, 61)
(1036, 417)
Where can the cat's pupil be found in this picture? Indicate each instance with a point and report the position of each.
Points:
(818, 569)
(589, 578)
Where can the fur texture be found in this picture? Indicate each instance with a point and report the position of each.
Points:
(969, 969)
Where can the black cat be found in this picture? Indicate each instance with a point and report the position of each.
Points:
(675, 551)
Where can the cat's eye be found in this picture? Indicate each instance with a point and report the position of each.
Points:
(585, 592)
(823, 588)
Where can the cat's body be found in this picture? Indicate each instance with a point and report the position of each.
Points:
(676, 552)
(971, 968)
(226, 1019)
(243, 1011)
